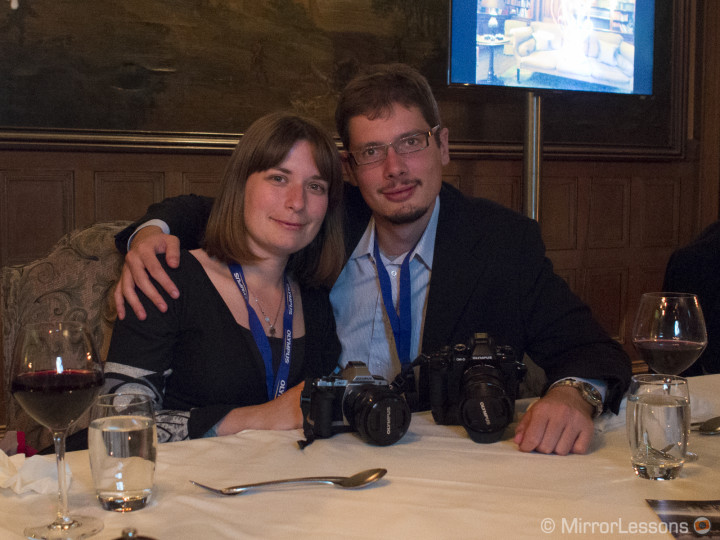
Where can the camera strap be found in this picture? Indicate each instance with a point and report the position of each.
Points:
(276, 382)
(305, 405)
(404, 383)
(309, 420)
(400, 319)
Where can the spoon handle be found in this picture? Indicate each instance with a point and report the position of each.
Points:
(234, 490)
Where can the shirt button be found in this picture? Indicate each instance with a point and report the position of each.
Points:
(393, 273)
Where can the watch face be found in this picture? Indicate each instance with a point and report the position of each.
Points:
(592, 393)
(588, 392)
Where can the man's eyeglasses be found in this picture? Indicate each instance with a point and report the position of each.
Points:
(404, 145)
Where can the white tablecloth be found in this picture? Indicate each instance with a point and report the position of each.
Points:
(439, 484)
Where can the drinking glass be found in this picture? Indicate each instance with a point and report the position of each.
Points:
(669, 331)
(56, 375)
(123, 446)
(658, 425)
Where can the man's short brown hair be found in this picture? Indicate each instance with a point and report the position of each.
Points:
(376, 88)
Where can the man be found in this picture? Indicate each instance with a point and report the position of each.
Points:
(450, 266)
(694, 269)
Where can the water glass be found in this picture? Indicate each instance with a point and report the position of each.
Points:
(122, 440)
(658, 425)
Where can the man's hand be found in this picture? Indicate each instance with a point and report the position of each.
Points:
(142, 260)
(560, 423)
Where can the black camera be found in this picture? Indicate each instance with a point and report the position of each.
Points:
(353, 400)
(475, 386)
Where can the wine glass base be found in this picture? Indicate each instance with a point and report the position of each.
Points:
(70, 528)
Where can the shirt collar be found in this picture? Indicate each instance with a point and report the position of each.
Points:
(423, 250)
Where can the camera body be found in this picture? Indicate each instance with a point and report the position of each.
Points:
(354, 400)
(475, 386)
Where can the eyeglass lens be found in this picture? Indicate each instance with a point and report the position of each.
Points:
(403, 145)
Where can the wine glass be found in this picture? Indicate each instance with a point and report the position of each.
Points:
(669, 331)
(56, 376)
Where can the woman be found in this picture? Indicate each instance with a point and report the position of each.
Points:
(253, 318)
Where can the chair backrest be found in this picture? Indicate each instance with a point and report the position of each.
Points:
(73, 283)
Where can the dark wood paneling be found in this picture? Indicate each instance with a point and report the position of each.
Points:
(609, 218)
(707, 111)
(37, 209)
(559, 212)
(202, 184)
(658, 205)
(66, 190)
(605, 291)
(112, 188)
(452, 179)
(501, 189)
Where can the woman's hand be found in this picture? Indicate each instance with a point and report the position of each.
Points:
(281, 413)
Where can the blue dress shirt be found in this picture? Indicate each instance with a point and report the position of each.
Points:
(362, 324)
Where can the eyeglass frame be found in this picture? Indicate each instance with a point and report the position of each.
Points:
(386, 147)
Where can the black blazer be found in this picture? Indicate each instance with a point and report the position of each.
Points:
(490, 274)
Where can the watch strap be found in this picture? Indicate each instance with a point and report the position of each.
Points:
(588, 392)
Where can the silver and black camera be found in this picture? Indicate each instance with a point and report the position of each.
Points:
(353, 400)
(475, 386)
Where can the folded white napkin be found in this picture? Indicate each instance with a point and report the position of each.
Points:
(38, 473)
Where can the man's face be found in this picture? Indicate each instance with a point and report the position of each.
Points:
(402, 188)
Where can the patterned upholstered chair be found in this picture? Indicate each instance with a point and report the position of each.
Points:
(73, 283)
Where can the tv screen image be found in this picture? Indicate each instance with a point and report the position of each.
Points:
(570, 45)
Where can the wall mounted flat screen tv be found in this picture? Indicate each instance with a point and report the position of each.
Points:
(570, 45)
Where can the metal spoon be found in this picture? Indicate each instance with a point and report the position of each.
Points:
(708, 427)
(348, 482)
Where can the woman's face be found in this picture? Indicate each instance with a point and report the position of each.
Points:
(286, 204)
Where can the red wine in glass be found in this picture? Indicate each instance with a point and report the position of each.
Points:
(56, 400)
(56, 376)
(667, 355)
(669, 331)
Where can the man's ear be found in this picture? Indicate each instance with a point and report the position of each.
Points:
(348, 167)
(445, 146)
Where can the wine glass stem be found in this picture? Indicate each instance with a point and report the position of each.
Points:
(62, 507)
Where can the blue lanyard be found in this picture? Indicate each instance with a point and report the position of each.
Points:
(276, 382)
(400, 320)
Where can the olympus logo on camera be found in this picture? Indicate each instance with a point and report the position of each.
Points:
(486, 416)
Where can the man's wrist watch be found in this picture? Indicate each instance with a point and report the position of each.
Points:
(588, 392)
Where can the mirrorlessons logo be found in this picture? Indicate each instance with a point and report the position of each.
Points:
(618, 526)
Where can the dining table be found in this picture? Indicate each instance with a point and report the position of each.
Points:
(439, 484)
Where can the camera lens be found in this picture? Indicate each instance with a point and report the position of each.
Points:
(484, 407)
(379, 415)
